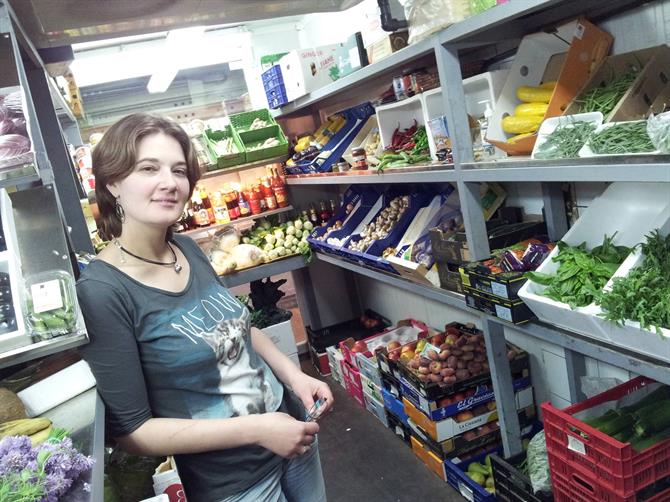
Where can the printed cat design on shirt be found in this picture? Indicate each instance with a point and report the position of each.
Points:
(244, 387)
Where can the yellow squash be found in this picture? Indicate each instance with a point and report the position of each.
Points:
(534, 94)
(531, 109)
(520, 125)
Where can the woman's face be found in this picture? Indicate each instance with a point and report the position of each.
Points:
(156, 190)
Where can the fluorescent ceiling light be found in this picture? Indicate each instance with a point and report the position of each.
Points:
(161, 80)
(179, 46)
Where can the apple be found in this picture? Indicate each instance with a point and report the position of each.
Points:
(451, 339)
(393, 345)
(359, 346)
(437, 340)
(408, 354)
(407, 348)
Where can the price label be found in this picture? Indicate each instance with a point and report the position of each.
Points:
(423, 402)
(46, 296)
(575, 444)
(499, 289)
(504, 313)
(466, 492)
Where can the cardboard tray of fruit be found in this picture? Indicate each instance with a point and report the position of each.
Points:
(464, 421)
(454, 404)
(406, 331)
(454, 364)
(388, 360)
(475, 438)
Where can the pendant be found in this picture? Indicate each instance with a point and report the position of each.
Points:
(177, 267)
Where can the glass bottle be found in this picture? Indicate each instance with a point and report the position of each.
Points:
(207, 204)
(221, 215)
(258, 194)
(268, 193)
(255, 198)
(243, 204)
(200, 214)
(313, 217)
(279, 189)
(333, 208)
(324, 214)
(230, 197)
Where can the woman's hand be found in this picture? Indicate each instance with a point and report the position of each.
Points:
(284, 435)
(308, 388)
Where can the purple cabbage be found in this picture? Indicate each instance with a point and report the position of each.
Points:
(12, 145)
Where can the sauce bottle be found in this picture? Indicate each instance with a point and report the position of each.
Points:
(324, 214)
(230, 197)
(268, 194)
(206, 203)
(221, 215)
(258, 194)
(279, 189)
(243, 204)
(200, 214)
(255, 198)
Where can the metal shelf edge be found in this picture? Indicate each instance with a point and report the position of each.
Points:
(41, 349)
(425, 176)
(262, 271)
(243, 167)
(203, 233)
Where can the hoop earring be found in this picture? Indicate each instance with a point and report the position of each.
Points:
(118, 209)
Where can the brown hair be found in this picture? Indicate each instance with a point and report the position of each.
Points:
(114, 158)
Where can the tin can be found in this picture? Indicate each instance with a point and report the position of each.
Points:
(399, 88)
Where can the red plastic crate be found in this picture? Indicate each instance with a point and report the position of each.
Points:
(572, 444)
(352, 382)
(578, 486)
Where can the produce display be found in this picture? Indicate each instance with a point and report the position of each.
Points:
(51, 304)
(409, 146)
(268, 143)
(382, 225)
(263, 244)
(529, 114)
(309, 147)
(644, 294)
(565, 141)
(225, 146)
(643, 424)
(257, 123)
(581, 273)
(622, 137)
(14, 139)
(604, 98)
(522, 257)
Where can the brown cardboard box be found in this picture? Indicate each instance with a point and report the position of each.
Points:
(386, 46)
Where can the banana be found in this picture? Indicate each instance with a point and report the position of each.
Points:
(24, 426)
(41, 436)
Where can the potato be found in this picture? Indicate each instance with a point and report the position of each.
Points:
(462, 374)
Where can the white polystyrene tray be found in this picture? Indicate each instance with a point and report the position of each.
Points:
(630, 209)
(630, 335)
(549, 126)
(587, 152)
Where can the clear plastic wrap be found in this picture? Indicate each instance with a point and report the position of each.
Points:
(50, 304)
(538, 464)
(426, 17)
(658, 129)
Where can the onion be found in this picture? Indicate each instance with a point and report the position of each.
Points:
(12, 145)
(6, 126)
(20, 126)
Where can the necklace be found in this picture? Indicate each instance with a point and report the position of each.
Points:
(177, 267)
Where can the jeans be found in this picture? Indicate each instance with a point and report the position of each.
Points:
(295, 480)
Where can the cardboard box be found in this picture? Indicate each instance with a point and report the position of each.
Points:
(371, 388)
(386, 46)
(651, 81)
(400, 429)
(505, 285)
(394, 406)
(450, 278)
(376, 407)
(307, 70)
(319, 360)
(514, 311)
(576, 48)
(432, 461)
(448, 428)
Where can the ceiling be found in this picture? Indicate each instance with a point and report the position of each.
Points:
(53, 23)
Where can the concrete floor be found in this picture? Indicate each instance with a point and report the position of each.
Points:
(363, 461)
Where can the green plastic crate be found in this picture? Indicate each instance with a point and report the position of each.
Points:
(250, 138)
(242, 121)
(232, 159)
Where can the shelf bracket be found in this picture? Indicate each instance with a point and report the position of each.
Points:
(554, 210)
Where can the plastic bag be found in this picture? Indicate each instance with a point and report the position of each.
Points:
(226, 239)
(426, 17)
(538, 464)
(658, 129)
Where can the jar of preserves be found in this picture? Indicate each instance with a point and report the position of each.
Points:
(360, 159)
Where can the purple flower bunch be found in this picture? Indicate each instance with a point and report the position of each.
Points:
(42, 473)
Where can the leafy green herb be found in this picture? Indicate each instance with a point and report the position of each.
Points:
(581, 274)
(644, 294)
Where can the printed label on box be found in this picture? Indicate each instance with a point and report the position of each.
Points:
(499, 289)
(504, 313)
(466, 492)
(575, 444)
(46, 296)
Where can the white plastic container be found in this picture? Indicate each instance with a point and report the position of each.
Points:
(587, 152)
(631, 210)
(399, 114)
(551, 124)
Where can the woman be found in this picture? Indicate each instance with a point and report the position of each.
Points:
(178, 366)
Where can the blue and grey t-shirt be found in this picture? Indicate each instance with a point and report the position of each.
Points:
(155, 353)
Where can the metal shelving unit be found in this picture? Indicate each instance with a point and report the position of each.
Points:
(262, 271)
(243, 167)
(514, 20)
(440, 173)
(42, 349)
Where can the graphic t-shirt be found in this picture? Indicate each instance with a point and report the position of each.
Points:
(155, 353)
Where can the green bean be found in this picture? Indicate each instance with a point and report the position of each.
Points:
(604, 99)
(566, 140)
(622, 138)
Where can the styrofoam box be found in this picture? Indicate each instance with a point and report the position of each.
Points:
(282, 336)
(631, 336)
(586, 151)
(631, 210)
(551, 124)
(400, 113)
(307, 70)
(10, 263)
(477, 89)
